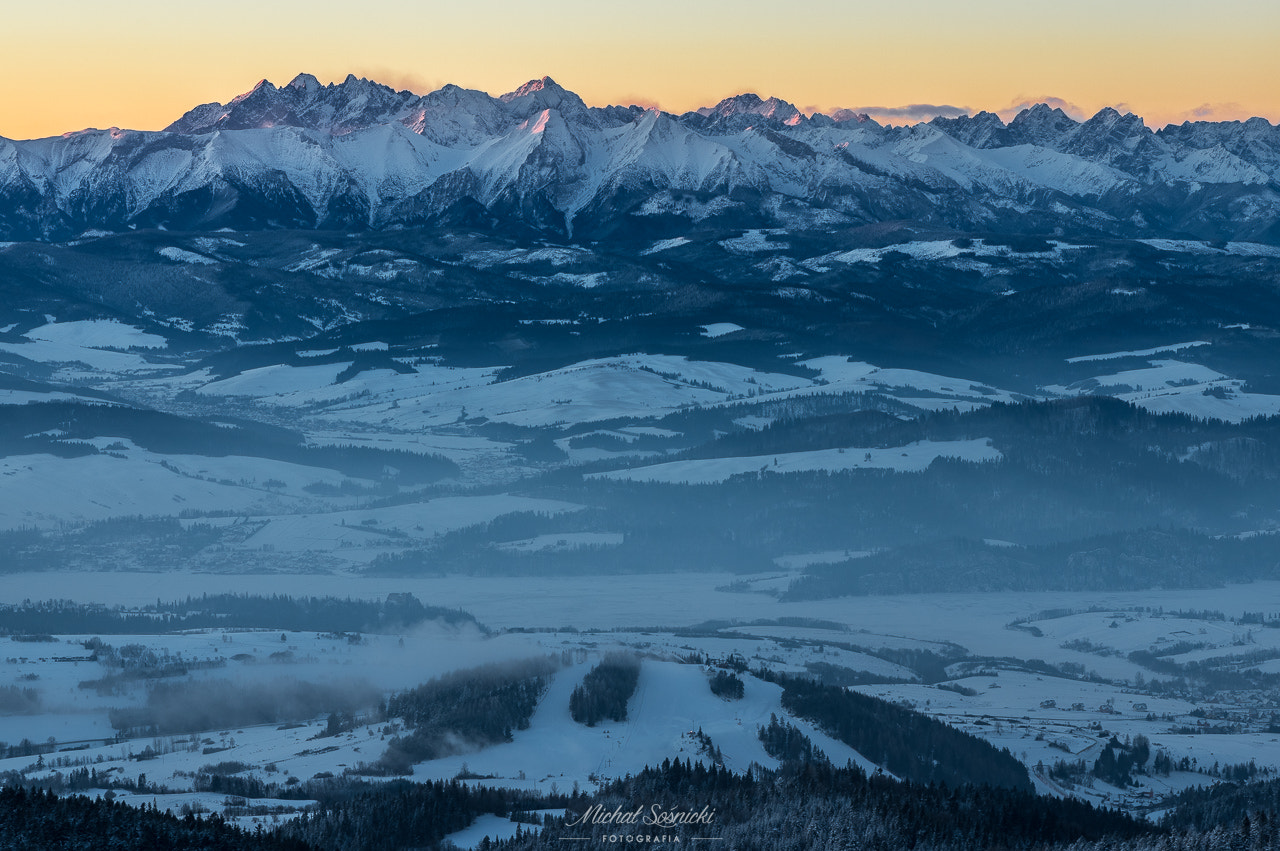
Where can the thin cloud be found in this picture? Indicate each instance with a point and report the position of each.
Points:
(400, 80)
(1023, 102)
(640, 101)
(909, 113)
(1226, 111)
(1216, 112)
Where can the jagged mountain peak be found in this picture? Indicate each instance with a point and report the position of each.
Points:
(354, 103)
(732, 105)
(453, 116)
(1109, 116)
(1039, 110)
(542, 94)
(262, 88)
(750, 103)
(1111, 124)
(531, 87)
(778, 108)
(1041, 124)
(1119, 140)
(351, 81)
(198, 119)
(1251, 126)
(304, 82)
(843, 116)
(983, 130)
(739, 112)
(1041, 113)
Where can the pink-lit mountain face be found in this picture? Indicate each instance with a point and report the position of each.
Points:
(358, 154)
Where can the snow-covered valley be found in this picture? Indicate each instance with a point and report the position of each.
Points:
(1048, 676)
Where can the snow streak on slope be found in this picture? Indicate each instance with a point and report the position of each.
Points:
(911, 458)
(932, 250)
(1173, 347)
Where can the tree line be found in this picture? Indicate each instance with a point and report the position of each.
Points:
(396, 613)
(463, 710)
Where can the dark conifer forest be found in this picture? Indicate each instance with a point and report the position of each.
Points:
(605, 690)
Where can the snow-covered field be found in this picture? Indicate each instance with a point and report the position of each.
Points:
(932, 250)
(434, 398)
(1170, 386)
(81, 361)
(1242, 249)
(844, 374)
(719, 329)
(23, 397)
(44, 491)
(488, 827)
(97, 334)
(637, 385)
(1039, 714)
(335, 530)
(1233, 405)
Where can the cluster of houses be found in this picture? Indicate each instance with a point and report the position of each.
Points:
(1107, 708)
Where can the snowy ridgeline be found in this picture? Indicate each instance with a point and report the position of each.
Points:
(358, 153)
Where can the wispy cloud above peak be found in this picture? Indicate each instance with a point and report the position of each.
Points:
(910, 113)
(1023, 102)
(1215, 112)
(400, 80)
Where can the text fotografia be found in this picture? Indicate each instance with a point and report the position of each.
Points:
(629, 825)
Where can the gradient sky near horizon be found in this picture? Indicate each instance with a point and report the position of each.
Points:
(71, 64)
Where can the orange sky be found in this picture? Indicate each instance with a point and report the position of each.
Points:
(142, 63)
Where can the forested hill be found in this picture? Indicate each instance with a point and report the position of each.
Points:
(39, 821)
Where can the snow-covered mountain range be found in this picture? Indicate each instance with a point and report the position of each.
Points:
(358, 154)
